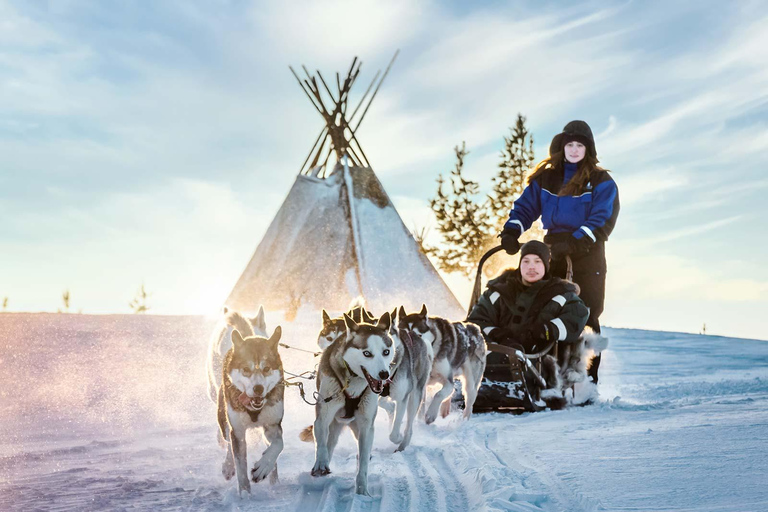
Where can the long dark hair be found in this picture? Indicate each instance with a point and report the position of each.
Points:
(587, 168)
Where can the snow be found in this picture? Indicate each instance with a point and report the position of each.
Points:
(112, 413)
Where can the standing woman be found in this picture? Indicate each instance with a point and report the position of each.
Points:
(578, 202)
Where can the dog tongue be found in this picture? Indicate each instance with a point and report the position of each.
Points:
(244, 399)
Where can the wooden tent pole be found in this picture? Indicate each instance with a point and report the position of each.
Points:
(377, 89)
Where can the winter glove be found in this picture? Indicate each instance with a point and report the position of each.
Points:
(581, 246)
(509, 241)
(501, 335)
(538, 336)
(560, 250)
(575, 247)
(546, 331)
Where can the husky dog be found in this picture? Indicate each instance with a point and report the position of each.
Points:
(334, 328)
(221, 342)
(459, 350)
(352, 372)
(410, 372)
(251, 395)
(561, 374)
(573, 359)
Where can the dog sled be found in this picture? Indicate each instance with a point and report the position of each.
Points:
(513, 380)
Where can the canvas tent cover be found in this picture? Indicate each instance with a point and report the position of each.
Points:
(334, 239)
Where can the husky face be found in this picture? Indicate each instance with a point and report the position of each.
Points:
(334, 328)
(255, 368)
(417, 323)
(369, 350)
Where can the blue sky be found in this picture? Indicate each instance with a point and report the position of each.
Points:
(153, 141)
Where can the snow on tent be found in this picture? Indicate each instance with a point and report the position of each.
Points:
(337, 235)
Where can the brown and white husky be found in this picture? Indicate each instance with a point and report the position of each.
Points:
(251, 395)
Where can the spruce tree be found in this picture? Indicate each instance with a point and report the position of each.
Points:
(470, 227)
(139, 303)
(463, 221)
(517, 159)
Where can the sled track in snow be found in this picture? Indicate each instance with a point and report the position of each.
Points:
(434, 482)
(337, 494)
(419, 479)
(544, 488)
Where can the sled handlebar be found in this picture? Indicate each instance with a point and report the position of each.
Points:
(476, 289)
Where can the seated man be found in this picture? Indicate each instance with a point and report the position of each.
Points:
(526, 309)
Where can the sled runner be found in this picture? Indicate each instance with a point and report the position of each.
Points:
(513, 378)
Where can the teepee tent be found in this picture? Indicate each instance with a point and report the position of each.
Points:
(337, 235)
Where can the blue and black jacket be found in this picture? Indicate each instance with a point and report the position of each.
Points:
(592, 214)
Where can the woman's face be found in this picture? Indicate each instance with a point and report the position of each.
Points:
(532, 268)
(575, 151)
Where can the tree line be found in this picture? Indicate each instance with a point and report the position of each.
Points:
(469, 222)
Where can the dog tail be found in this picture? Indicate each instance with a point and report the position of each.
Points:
(595, 342)
(238, 321)
(357, 302)
(308, 434)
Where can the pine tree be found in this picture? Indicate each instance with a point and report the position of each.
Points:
(139, 303)
(419, 235)
(5, 303)
(464, 223)
(517, 159)
(470, 228)
(65, 297)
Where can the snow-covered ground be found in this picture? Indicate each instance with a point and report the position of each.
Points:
(111, 413)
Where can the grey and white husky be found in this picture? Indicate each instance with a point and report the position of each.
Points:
(352, 373)
(221, 342)
(251, 395)
(335, 328)
(410, 372)
(459, 349)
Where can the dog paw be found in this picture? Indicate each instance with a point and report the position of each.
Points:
(261, 469)
(396, 437)
(362, 488)
(320, 469)
(228, 470)
(445, 408)
(430, 417)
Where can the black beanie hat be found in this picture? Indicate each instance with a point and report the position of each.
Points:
(575, 130)
(540, 249)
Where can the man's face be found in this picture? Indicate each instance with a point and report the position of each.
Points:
(532, 268)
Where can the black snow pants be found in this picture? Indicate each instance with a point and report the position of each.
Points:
(589, 273)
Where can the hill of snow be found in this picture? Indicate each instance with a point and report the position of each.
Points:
(111, 413)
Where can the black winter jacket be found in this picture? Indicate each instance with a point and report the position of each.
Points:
(509, 303)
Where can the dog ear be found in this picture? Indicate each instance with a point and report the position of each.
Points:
(384, 322)
(237, 338)
(393, 317)
(276, 336)
(401, 311)
(258, 321)
(224, 310)
(326, 318)
(423, 311)
(368, 317)
(351, 324)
